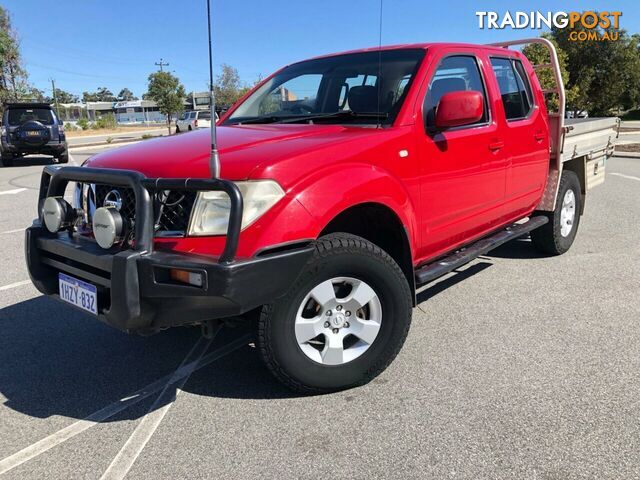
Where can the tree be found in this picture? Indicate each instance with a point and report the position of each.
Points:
(66, 97)
(606, 73)
(103, 94)
(34, 94)
(227, 88)
(13, 77)
(167, 91)
(126, 95)
(538, 54)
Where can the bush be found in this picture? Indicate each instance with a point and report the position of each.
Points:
(83, 123)
(631, 115)
(106, 121)
(70, 127)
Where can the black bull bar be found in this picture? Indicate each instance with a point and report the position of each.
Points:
(54, 182)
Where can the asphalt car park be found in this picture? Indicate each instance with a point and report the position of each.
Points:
(516, 366)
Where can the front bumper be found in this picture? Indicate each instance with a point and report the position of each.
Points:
(135, 292)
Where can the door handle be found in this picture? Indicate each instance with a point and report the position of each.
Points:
(539, 136)
(493, 146)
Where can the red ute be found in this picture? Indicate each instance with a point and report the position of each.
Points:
(347, 182)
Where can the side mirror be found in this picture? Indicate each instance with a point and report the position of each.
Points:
(459, 108)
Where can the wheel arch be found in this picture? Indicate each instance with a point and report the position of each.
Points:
(381, 225)
(577, 166)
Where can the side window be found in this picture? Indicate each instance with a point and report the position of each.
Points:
(455, 73)
(515, 89)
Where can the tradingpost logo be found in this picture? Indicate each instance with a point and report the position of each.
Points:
(585, 26)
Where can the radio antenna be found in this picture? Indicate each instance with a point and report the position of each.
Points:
(214, 159)
(379, 82)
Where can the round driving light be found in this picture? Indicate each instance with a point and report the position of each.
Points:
(57, 214)
(107, 226)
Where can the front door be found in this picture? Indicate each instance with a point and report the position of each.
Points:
(463, 168)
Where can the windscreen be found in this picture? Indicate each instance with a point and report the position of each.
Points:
(17, 116)
(364, 87)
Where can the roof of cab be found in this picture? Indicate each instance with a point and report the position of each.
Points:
(423, 46)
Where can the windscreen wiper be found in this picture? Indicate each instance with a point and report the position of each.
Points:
(263, 119)
(340, 114)
(317, 116)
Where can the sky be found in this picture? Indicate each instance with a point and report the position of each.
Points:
(86, 44)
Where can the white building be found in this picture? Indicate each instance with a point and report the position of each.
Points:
(137, 111)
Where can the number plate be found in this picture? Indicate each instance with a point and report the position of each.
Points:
(33, 133)
(78, 293)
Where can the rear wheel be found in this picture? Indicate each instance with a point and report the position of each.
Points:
(63, 157)
(177, 129)
(557, 236)
(342, 322)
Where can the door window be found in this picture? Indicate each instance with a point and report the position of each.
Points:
(515, 89)
(454, 74)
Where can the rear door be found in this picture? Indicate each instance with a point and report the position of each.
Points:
(463, 168)
(526, 137)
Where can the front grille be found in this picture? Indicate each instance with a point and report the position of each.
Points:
(176, 209)
(172, 209)
(128, 209)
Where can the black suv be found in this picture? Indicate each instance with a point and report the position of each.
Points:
(32, 128)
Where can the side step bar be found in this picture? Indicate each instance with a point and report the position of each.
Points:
(445, 265)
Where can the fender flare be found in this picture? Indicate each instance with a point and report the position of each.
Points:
(357, 184)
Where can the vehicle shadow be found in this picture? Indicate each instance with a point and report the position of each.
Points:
(31, 161)
(438, 286)
(519, 249)
(55, 360)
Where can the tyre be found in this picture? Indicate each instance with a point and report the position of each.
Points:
(63, 157)
(557, 236)
(342, 322)
(189, 128)
(177, 129)
(7, 160)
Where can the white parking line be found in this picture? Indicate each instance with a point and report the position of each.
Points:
(13, 192)
(72, 160)
(15, 285)
(12, 231)
(95, 418)
(131, 450)
(629, 177)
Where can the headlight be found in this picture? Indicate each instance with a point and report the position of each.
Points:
(211, 211)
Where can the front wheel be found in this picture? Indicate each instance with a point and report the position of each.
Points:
(557, 236)
(342, 322)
